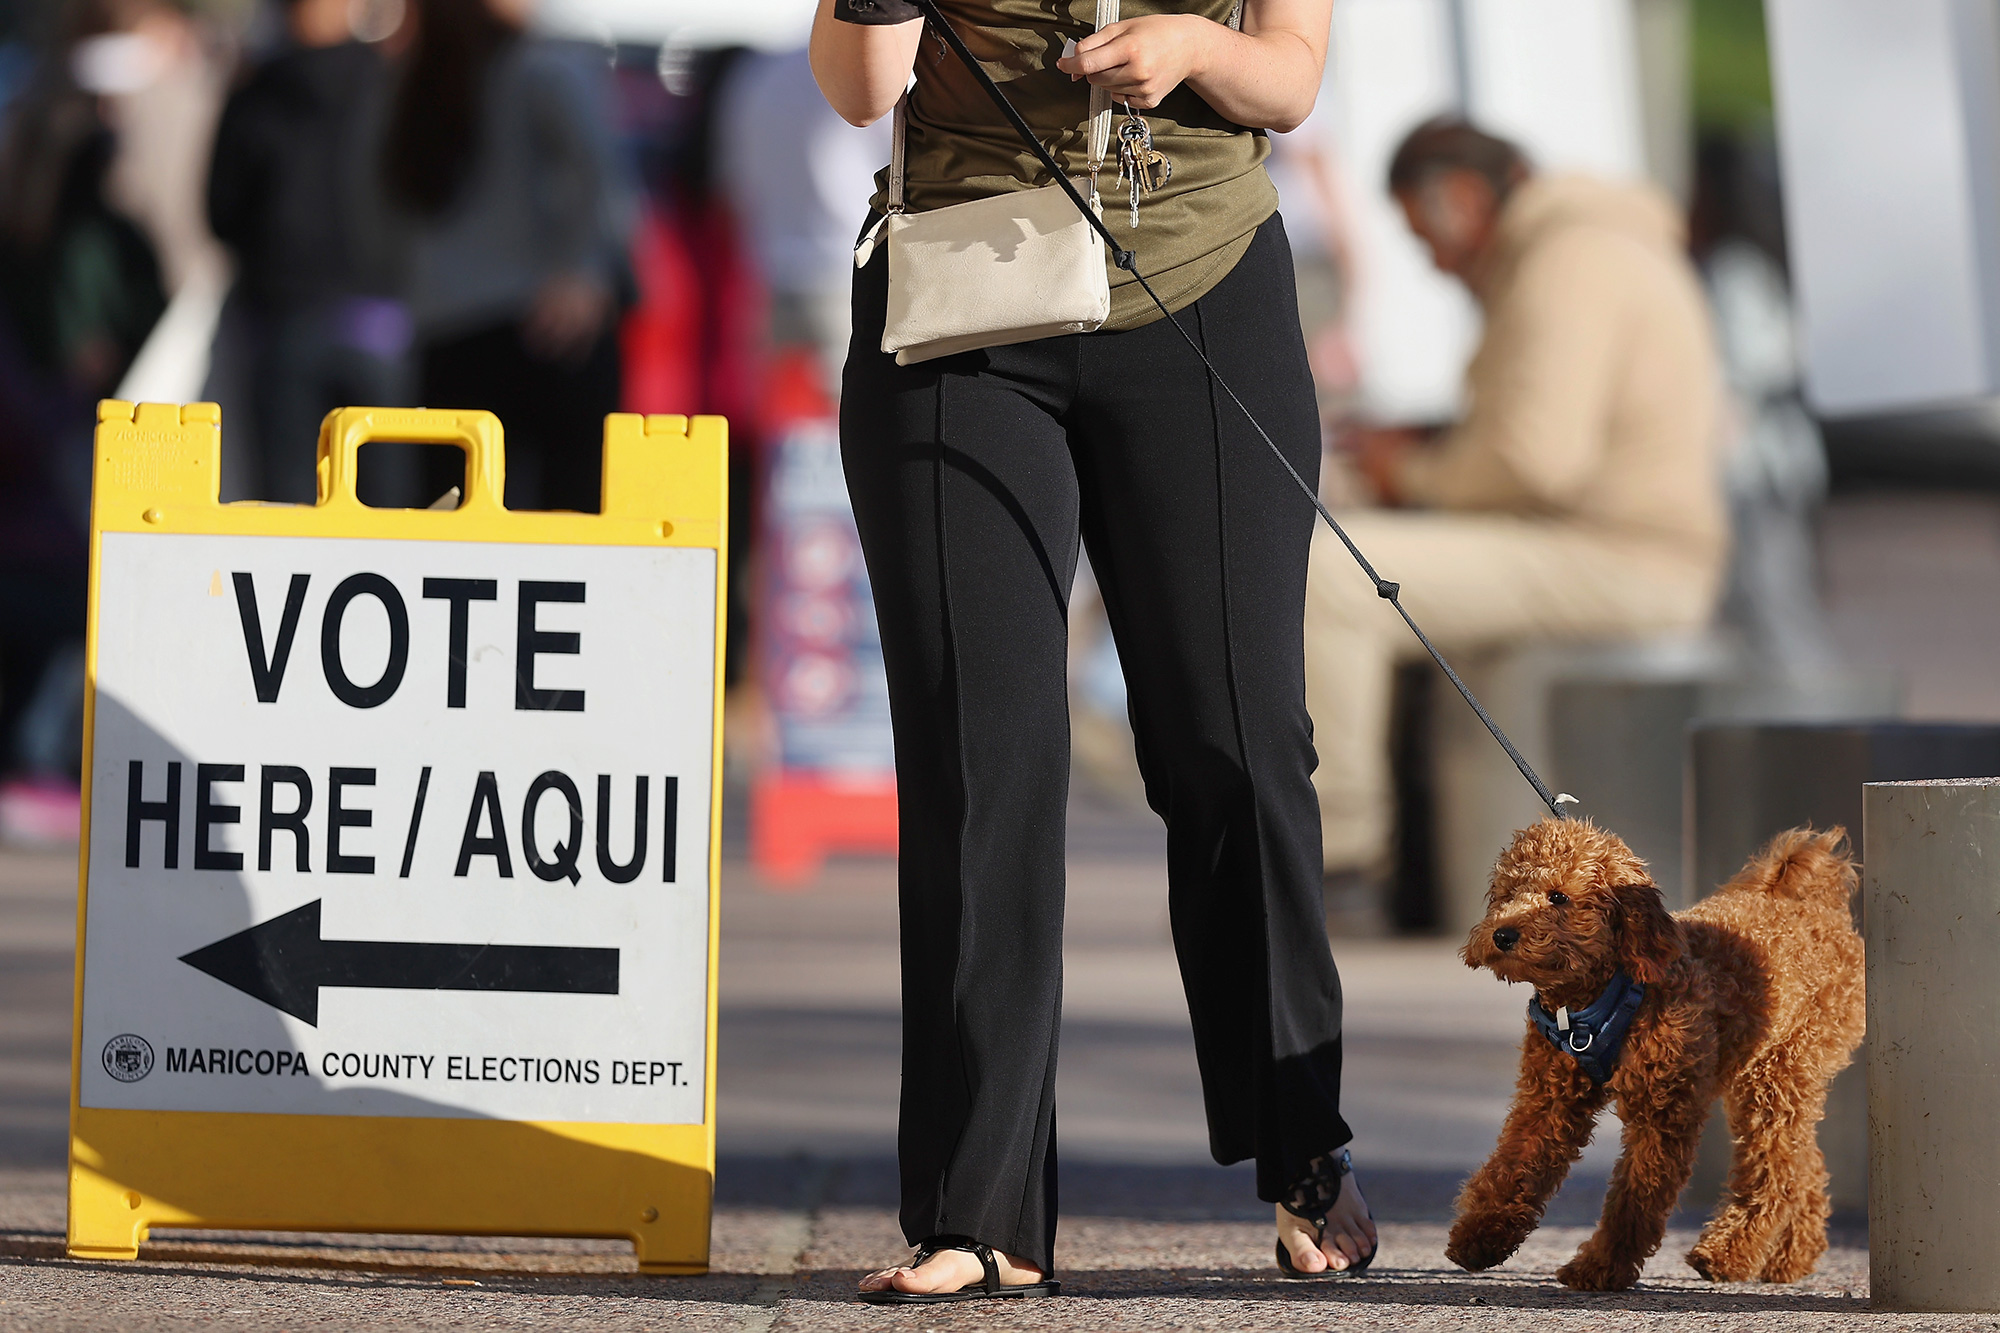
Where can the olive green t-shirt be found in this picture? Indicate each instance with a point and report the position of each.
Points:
(1191, 231)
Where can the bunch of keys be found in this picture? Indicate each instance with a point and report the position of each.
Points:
(1141, 165)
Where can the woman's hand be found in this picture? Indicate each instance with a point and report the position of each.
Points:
(1265, 77)
(1139, 61)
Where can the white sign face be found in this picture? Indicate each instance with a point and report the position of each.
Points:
(400, 829)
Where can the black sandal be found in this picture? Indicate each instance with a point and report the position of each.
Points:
(1311, 1200)
(989, 1289)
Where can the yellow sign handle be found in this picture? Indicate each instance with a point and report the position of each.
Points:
(345, 430)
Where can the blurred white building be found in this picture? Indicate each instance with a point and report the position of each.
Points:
(1889, 139)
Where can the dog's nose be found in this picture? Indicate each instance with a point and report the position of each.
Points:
(1505, 938)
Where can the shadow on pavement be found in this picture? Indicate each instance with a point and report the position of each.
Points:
(1146, 1192)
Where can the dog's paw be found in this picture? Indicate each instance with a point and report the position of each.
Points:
(1712, 1266)
(1718, 1256)
(1590, 1271)
(1702, 1262)
(1478, 1242)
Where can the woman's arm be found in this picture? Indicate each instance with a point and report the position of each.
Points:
(862, 67)
(1265, 77)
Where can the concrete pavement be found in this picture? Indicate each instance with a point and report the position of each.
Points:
(1154, 1236)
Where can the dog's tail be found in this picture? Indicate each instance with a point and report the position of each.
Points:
(1802, 863)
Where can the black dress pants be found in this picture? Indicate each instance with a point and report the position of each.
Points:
(973, 478)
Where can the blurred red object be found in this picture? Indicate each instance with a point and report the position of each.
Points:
(693, 342)
(793, 391)
(797, 818)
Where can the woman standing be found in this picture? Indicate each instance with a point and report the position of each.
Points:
(498, 160)
(974, 477)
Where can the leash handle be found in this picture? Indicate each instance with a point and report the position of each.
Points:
(1126, 260)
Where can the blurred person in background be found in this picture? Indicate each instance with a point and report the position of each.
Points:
(1579, 498)
(17, 51)
(161, 73)
(79, 291)
(499, 170)
(694, 337)
(291, 159)
(797, 176)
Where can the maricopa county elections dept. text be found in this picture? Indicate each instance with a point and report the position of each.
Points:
(416, 796)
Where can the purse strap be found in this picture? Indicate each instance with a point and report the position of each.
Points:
(1100, 103)
(1100, 116)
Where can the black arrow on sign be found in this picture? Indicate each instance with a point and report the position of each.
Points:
(284, 962)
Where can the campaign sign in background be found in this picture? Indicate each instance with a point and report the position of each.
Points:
(823, 665)
(507, 959)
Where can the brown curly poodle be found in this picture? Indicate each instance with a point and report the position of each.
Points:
(1753, 995)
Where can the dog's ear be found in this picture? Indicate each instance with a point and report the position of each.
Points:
(1649, 939)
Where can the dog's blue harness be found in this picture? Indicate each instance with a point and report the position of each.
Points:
(1593, 1035)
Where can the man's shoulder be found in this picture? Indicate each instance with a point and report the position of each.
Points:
(1588, 241)
(1587, 263)
(1557, 221)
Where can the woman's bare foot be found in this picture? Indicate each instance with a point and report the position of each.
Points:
(951, 1270)
(1349, 1236)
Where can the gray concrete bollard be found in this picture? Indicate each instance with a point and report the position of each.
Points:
(1931, 889)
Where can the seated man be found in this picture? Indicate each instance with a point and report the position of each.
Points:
(1579, 498)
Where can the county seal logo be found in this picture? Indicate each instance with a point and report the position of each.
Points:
(128, 1058)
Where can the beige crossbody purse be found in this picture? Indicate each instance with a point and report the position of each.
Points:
(1007, 269)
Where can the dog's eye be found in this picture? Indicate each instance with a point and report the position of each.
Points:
(1559, 898)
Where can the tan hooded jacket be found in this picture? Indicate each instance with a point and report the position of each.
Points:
(1595, 390)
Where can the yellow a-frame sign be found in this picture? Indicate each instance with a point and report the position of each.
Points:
(401, 846)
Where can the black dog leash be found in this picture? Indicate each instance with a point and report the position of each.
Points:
(1126, 260)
